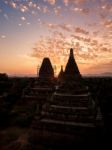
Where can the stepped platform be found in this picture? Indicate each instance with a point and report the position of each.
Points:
(70, 99)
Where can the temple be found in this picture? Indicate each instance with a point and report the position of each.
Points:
(37, 91)
(70, 110)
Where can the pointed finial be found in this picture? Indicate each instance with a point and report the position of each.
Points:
(71, 52)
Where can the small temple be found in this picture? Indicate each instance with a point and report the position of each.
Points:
(70, 109)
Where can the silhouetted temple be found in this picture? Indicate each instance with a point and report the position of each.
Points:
(46, 70)
(39, 90)
(70, 110)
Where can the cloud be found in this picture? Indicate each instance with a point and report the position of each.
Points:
(3, 36)
(23, 8)
(52, 2)
(80, 38)
(45, 9)
(50, 25)
(95, 33)
(105, 49)
(84, 11)
(80, 30)
(78, 2)
(67, 27)
(94, 43)
(19, 24)
(106, 7)
(13, 4)
(26, 6)
(108, 24)
(57, 10)
(23, 18)
(66, 2)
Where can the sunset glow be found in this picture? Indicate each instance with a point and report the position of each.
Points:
(33, 29)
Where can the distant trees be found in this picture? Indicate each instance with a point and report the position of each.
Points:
(3, 77)
(4, 83)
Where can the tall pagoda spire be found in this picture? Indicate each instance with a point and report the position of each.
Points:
(71, 68)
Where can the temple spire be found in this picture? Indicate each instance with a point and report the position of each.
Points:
(71, 69)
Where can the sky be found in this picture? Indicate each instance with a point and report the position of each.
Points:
(33, 29)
